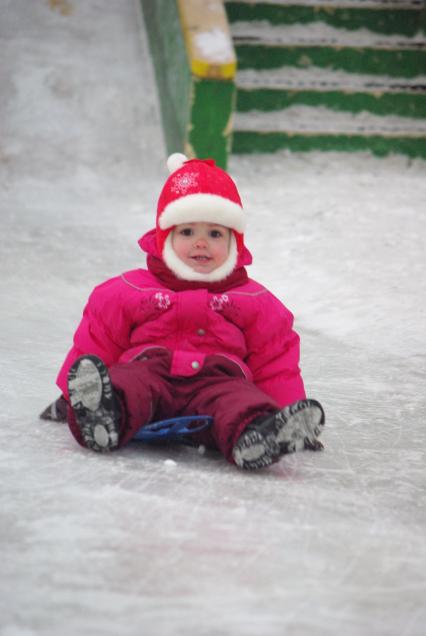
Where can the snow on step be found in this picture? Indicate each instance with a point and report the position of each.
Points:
(319, 34)
(324, 121)
(317, 78)
(344, 4)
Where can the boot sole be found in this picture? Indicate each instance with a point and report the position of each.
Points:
(295, 428)
(92, 399)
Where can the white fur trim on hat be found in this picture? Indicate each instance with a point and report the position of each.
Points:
(176, 161)
(183, 271)
(207, 208)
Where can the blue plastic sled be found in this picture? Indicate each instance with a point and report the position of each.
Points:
(174, 429)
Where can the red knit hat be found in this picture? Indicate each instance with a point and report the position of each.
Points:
(198, 190)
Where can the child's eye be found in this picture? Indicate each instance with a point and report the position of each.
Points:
(186, 231)
(216, 234)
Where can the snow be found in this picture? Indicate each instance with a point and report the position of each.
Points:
(325, 79)
(168, 541)
(215, 45)
(338, 4)
(314, 33)
(325, 120)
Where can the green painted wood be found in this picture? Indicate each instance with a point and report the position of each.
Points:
(385, 21)
(212, 105)
(249, 142)
(401, 104)
(171, 69)
(195, 112)
(396, 63)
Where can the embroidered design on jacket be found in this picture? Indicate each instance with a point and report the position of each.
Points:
(156, 303)
(219, 303)
(162, 301)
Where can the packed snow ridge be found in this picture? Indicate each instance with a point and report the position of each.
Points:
(324, 120)
(263, 31)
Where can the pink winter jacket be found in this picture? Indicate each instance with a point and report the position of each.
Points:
(247, 324)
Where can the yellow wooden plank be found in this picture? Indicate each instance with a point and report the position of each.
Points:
(208, 38)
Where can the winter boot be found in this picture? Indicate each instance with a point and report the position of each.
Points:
(56, 412)
(295, 427)
(95, 406)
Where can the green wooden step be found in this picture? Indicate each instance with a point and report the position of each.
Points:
(381, 95)
(250, 142)
(342, 75)
(396, 63)
(385, 104)
(403, 17)
(332, 5)
(262, 46)
(309, 128)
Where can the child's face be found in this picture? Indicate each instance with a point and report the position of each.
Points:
(202, 246)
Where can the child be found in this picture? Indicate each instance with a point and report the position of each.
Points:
(191, 335)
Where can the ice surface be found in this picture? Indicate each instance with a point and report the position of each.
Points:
(169, 541)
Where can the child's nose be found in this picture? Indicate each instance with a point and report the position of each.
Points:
(201, 241)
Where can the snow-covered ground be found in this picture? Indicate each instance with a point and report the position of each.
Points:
(165, 541)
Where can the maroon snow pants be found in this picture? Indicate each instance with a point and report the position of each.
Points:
(148, 392)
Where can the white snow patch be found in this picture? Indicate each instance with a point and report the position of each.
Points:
(325, 120)
(361, 4)
(315, 33)
(315, 77)
(215, 45)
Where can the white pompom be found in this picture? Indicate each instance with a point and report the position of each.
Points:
(176, 161)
